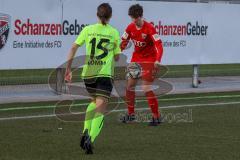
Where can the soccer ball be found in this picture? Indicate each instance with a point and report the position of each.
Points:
(134, 71)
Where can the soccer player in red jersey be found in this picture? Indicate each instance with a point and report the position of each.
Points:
(147, 53)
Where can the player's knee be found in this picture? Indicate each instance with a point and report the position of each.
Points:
(146, 88)
(101, 102)
(93, 100)
(130, 87)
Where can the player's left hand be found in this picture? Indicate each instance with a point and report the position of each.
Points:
(156, 68)
(157, 65)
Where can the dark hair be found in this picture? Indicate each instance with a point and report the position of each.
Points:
(104, 12)
(135, 11)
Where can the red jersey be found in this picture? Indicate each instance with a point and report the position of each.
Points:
(147, 43)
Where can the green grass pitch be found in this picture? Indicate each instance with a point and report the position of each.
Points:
(198, 127)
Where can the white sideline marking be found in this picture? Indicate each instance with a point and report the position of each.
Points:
(119, 110)
(84, 104)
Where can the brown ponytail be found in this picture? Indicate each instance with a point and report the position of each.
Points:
(104, 12)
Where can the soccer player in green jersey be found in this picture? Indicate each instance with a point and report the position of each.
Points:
(102, 48)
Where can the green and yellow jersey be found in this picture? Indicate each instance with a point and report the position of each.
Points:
(102, 44)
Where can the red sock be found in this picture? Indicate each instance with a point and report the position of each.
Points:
(153, 103)
(130, 99)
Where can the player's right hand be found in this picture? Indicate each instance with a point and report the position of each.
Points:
(116, 57)
(68, 75)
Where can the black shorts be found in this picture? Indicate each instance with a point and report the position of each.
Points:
(99, 86)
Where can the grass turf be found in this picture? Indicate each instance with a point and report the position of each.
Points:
(40, 76)
(213, 133)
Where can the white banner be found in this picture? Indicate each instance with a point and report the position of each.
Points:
(39, 33)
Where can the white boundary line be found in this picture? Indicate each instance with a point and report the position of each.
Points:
(84, 104)
(120, 110)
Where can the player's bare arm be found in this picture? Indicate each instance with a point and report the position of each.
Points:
(71, 55)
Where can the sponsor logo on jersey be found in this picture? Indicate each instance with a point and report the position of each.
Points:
(139, 44)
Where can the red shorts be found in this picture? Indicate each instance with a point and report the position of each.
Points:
(148, 71)
(147, 64)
